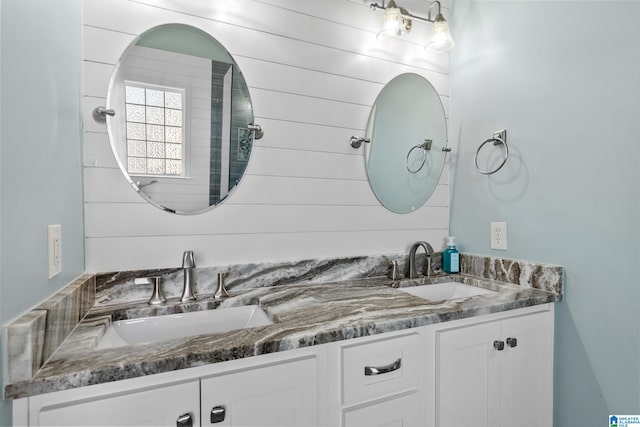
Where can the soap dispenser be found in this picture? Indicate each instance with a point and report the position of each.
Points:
(451, 257)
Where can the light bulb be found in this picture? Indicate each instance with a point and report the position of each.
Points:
(439, 39)
(393, 25)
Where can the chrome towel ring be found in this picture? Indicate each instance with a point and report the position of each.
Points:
(498, 138)
(426, 146)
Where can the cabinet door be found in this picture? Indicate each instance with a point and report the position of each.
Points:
(527, 371)
(281, 394)
(478, 385)
(403, 411)
(467, 370)
(161, 406)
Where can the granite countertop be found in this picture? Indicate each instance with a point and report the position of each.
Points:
(303, 315)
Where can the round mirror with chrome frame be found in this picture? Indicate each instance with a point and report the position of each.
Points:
(182, 127)
(407, 130)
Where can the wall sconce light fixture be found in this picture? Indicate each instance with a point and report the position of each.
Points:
(397, 22)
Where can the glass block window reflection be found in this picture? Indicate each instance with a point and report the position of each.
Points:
(154, 120)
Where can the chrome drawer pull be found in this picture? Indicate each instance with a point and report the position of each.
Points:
(371, 370)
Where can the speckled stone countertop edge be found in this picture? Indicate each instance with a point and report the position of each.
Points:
(306, 315)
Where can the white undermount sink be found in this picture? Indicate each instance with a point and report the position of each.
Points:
(445, 291)
(160, 328)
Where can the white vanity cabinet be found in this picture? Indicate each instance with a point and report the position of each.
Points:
(490, 370)
(278, 389)
(496, 370)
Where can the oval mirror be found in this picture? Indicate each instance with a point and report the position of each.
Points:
(180, 132)
(407, 131)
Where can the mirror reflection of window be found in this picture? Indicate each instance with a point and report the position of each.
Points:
(154, 130)
(180, 133)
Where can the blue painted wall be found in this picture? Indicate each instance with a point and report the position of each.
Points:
(40, 150)
(564, 79)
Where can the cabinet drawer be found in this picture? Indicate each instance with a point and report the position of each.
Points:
(403, 411)
(376, 368)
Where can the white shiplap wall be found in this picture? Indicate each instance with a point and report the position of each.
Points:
(314, 68)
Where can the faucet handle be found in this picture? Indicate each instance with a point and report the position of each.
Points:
(188, 260)
(393, 273)
(157, 297)
(221, 292)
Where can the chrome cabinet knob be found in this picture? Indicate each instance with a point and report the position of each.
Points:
(512, 342)
(498, 345)
(218, 414)
(184, 420)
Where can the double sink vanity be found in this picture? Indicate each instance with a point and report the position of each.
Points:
(161, 328)
(330, 342)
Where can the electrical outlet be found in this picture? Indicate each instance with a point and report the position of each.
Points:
(499, 235)
(54, 237)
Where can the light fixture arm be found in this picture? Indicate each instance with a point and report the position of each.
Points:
(428, 18)
(408, 14)
(431, 7)
(391, 4)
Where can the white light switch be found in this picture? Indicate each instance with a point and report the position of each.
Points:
(55, 249)
(499, 235)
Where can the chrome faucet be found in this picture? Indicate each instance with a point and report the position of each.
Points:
(412, 258)
(188, 264)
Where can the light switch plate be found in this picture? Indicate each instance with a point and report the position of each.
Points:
(499, 236)
(54, 237)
